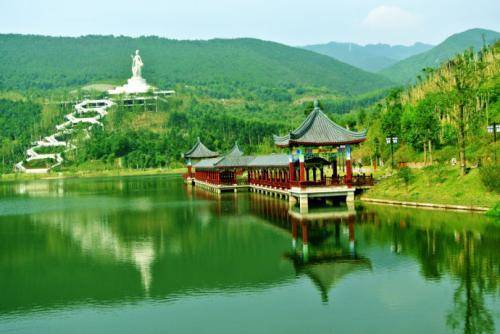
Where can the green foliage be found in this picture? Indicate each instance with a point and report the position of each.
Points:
(494, 211)
(224, 68)
(391, 118)
(407, 70)
(19, 125)
(405, 174)
(490, 176)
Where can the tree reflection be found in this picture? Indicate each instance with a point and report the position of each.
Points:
(469, 314)
(448, 243)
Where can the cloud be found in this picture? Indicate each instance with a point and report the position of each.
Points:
(390, 17)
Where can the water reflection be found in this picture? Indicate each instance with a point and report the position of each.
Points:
(111, 241)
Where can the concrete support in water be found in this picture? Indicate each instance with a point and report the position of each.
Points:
(349, 199)
(304, 204)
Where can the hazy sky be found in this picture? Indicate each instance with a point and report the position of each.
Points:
(294, 22)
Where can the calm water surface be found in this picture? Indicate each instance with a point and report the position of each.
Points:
(149, 255)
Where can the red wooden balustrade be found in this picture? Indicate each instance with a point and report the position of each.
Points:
(278, 179)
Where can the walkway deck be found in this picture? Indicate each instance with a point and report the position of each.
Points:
(300, 195)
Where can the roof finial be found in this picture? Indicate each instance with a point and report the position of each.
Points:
(316, 104)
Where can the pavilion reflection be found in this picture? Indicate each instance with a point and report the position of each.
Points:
(323, 242)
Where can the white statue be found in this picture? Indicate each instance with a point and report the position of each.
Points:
(137, 64)
(137, 84)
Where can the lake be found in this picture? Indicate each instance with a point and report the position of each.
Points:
(151, 255)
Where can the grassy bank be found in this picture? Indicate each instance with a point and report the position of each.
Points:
(89, 173)
(437, 185)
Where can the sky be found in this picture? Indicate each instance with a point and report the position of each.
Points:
(292, 22)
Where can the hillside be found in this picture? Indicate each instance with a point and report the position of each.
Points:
(407, 70)
(52, 62)
(371, 57)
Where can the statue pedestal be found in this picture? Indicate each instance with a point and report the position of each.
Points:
(134, 85)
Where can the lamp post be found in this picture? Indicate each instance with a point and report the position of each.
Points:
(494, 128)
(391, 141)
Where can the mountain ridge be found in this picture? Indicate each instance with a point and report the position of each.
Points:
(407, 70)
(369, 57)
(43, 62)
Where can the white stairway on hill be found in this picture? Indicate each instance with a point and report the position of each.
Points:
(76, 117)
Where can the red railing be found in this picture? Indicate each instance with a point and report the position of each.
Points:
(270, 183)
(358, 180)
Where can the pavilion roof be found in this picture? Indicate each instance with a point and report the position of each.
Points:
(207, 163)
(319, 130)
(200, 151)
(234, 158)
(270, 160)
(235, 151)
(234, 161)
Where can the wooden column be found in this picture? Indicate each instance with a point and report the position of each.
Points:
(334, 168)
(302, 169)
(291, 169)
(190, 168)
(348, 172)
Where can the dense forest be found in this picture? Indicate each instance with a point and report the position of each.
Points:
(232, 66)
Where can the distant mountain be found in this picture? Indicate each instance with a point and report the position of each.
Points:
(371, 57)
(53, 62)
(406, 70)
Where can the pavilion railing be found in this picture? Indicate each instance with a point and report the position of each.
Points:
(282, 184)
(357, 180)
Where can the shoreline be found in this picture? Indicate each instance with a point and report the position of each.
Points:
(423, 205)
(13, 177)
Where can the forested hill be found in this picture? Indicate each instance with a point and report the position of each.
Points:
(42, 62)
(370, 57)
(407, 70)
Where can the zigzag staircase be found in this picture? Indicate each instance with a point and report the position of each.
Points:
(72, 119)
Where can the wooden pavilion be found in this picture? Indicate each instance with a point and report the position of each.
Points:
(316, 143)
(197, 153)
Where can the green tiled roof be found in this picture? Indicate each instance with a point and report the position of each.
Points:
(319, 130)
(200, 151)
(270, 160)
(207, 163)
(235, 151)
(234, 161)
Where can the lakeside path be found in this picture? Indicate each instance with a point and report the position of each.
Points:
(425, 205)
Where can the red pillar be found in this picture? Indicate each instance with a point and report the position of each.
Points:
(305, 235)
(302, 169)
(334, 168)
(190, 171)
(348, 172)
(291, 169)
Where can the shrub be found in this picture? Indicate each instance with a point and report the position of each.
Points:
(494, 211)
(406, 175)
(490, 176)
